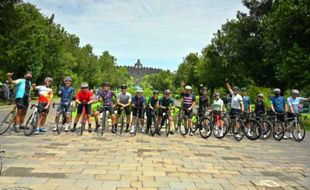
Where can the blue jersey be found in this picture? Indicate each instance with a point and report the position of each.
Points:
(278, 103)
(66, 94)
(22, 88)
(295, 102)
(246, 102)
(139, 103)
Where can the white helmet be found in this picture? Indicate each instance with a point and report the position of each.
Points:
(295, 92)
(48, 79)
(188, 87)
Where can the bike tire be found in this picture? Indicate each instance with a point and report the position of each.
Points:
(101, 129)
(184, 126)
(167, 127)
(80, 130)
(205, 129)
(301, 130)
(238, 133)
(255, 130)
(122, 124)
(266, 128)
(31, 125)
(195, 122)
(57, 132)
(6, 123)
(278, 130)
(153, 127)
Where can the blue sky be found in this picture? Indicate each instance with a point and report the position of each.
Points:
(158, 32)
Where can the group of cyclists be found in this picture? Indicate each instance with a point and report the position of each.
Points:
(139, 106)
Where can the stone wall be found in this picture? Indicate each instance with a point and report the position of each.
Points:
(138, 73)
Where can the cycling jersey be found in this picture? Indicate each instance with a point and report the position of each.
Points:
(66, 94)
(217, 105)
(22, 88)
(246, 102)
(139, 103)
(84, 96)
(124, 98)
(166, 102)
(188, 100)
(45, 94)
(295, 102)
(152, 101)
(236, 100)
(259, 107)
(107, 97)
(203, 102)
(278, 103)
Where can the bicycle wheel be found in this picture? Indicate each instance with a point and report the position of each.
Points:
(58, 125)
(220, 131)
(278, 130)
(31, 125)
(266, 129)
(6, 123)
(195, 122)
(205, 128)
(80, 129)
(153, 127)
(101, 129)
(122, 124)
(176, 122)
(299, 131)
(167, 126)
(252, 130)
(238, 130)
(184, 126)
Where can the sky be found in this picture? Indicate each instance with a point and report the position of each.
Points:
(158, 32)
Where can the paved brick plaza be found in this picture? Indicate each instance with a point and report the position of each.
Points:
(143, 162)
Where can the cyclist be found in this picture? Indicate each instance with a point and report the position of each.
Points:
(203, 101)
(218, 107)
(294, 102)
(164, 104)
(123, 103)
(278, 104)
(246, 100)
(106, 96)
(138, 104)
(84, 99)
(260, 107)
(22, 97)
(236, 106)
(45, 100)
(66, 94)
(151, 106)
(189, 102)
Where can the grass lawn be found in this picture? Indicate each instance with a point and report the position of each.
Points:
(307, 121)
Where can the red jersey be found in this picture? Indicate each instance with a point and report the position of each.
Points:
(84, 96)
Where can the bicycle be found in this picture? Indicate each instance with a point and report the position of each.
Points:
(218, 124)
(154, 124)
(8, 121)
(80, 130)
(265, 126)
(104, 120)
(182, 121)
(165, 122)
(296, 127)
(237, 126)
(62, 118)
(277, 125)
(251, 126)
(31, 124)
(202, 123)
(2, 151)
(123, 119)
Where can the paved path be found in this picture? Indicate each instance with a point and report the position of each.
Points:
(143, 162)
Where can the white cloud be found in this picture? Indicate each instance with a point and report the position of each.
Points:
(159, 31)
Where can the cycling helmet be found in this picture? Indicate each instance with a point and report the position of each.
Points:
(123, 86)
(140, 90)
(167, 91)
(277, 91)
(295, 92)
(243, 89)
(155, 92)
(188, 87)
(204, 88)
(84, 85)
(28, 72)
(260, 95)
(105, 83)
(236, 88)
(216, 94)
(67, 79)
(48, 79)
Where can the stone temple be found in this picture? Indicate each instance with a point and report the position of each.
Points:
(138, 70)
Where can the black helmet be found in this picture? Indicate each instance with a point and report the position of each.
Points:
(155, 92)
(123, 86)
(105, 83)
